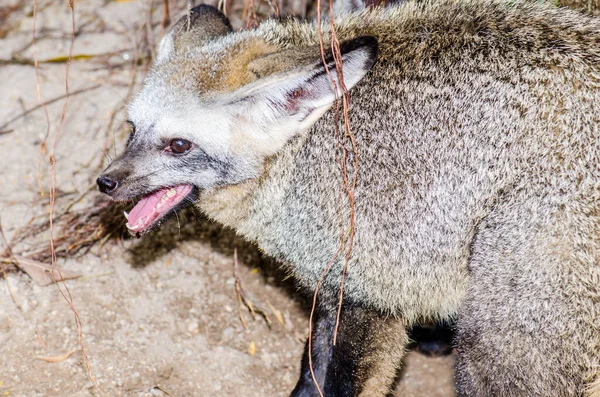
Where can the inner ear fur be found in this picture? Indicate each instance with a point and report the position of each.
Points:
(293, 89)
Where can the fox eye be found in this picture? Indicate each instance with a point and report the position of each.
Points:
(179, 146)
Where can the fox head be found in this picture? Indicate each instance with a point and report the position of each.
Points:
(215, 105)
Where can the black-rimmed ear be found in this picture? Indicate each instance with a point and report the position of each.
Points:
(203, 23)
(294, 88)
(297, 81)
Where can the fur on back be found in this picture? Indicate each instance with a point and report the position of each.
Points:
(468, 101)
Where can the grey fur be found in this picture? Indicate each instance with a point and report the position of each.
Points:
(478, 191)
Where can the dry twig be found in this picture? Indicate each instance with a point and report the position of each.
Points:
(166, 18)
(43, 104)
(348, 185)
(56, 359)
(243, 297)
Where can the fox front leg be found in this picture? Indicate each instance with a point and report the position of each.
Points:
(364, 360)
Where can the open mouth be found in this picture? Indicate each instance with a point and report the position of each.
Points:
(150, 210)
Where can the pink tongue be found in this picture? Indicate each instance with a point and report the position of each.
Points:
(153, 206)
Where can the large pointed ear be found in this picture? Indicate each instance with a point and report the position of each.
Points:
(203, 22)
(294, 88)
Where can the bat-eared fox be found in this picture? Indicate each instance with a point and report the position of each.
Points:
(477, 127)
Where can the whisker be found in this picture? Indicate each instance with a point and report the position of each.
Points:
(178, 226)
(114, 142)
(99, 147)
(115, 92)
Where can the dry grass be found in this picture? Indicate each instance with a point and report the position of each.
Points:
(73, 229)
(101, 221)
(76, 229)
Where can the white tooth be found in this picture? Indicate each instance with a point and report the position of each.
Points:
(171, 193)
(126, 215)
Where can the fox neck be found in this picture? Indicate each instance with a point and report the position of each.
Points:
(233, 205)
(229, 205)
(247, 206)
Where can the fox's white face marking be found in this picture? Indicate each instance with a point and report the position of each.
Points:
(230, 101)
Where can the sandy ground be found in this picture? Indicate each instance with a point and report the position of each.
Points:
(159, 315)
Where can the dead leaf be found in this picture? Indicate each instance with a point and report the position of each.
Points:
(276, 313)
(65, 58)
(55, 359)
(159, 388)
(252, 348)
(41, 273)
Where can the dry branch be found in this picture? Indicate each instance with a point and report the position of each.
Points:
(243, 298)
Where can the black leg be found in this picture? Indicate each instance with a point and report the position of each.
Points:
(322, 338)
(364, 361)
(432, 340)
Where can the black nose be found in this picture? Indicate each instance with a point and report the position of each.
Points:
(106, 184)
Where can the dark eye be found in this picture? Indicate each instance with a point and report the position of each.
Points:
(179, 146)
